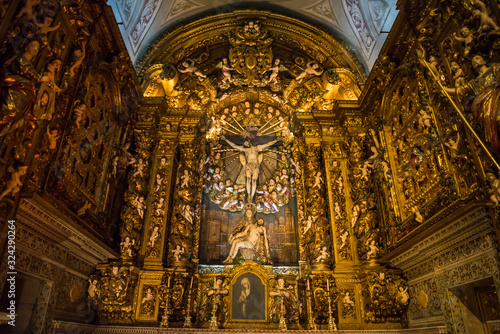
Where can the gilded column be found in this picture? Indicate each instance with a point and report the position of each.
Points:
(298, 157)
(159, 188)
(185, 217)
(336, 174)
(133, 212)
(343, 217)
(316, 231)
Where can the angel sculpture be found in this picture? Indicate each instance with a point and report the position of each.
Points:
(275, 69)
(418, 216)
(84, 208)
(458, 74)
(453, 145)
(494, 189)
(44, 29)
(141, 206)
(312, 67)
(159, 207)
(79, 57)
(323, 254)
(139, 166)
(53, 136)
(14, 184)
(226, 70)
(188, 66)
(177, 252)
(126, 246)
(466, 37)
(433, 64)
(486, 21)
(28, 10)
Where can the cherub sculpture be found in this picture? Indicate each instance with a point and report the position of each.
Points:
(79, 57)
(155, 236)
(226, 70)
(44, 29)
(433, 64)
(275, 69)
(80, 113)
(188, 66)
(139, 166)
(159, 207)
(126, 246)
(482, 13)
(28, 10)
(364, 168)
(53, 136)
(418, 216)
(159, 181)
(465, 37)
(177, 252)
(343, 239)
(458, 74)
(318, 180)
(373, 249)
(494, 189)
(453, 145)
(14, 184)
(312, 67)
(185, 179)
(141, 206)
(323, 255)
(84, 208)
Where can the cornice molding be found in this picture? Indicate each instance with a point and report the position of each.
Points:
(39, 220)
(470, 226)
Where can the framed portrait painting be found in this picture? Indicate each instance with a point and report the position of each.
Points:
(248, 298)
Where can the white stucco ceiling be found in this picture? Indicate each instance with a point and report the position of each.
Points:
(363, 24)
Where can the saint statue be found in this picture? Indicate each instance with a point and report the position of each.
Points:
(485, 89)
(251, 160)
(249, 237)
(18, 81)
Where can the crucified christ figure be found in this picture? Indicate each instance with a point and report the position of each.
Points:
(251, 162)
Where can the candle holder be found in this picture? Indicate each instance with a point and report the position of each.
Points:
(213, 320)
(311, 323)
(282, 314)
(187, 322)
(331, 319)
(164, 318)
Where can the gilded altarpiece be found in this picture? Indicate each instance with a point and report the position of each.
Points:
(67, 91)
(246, 205)
(441, 137)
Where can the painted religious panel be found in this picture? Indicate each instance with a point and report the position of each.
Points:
(248, 298)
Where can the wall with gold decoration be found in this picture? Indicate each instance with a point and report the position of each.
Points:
(252, 175)
(68, 92)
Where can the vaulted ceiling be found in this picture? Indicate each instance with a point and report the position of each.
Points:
(362, 24)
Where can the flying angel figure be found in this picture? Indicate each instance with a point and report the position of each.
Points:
(84, 208)
(275, 69)
(226, 70)
(312, 68)
(188, 66)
